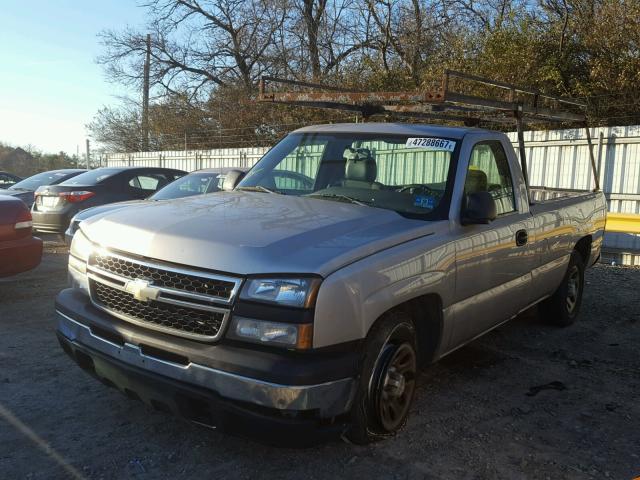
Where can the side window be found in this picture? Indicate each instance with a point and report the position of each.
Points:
(149, 182)
(134, 182)
(489, 172)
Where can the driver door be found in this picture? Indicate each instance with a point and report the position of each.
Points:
(493, 264)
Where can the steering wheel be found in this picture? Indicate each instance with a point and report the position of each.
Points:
(419, 188)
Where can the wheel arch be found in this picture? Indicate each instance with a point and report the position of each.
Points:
(583, 247)
(427, 317)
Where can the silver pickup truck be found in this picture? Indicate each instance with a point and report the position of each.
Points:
(310, 295)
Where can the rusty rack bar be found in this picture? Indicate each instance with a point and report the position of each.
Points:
(439, 102)
(522, 105)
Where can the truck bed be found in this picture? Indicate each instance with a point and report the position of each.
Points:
(582, 211)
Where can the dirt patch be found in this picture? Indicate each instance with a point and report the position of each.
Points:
(475, 415)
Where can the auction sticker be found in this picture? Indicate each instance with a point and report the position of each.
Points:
(429, 143)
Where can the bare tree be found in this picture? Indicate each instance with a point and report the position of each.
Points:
(488, 15)
(325, 34)
(197, 45)
(407, 31)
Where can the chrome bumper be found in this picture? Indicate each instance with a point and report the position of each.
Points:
(329, 399)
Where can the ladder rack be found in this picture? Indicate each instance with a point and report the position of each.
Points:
(512, 104)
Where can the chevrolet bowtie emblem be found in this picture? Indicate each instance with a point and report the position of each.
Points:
(141, 290)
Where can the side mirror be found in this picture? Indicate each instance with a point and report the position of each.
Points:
(232, 179)
(480, 207)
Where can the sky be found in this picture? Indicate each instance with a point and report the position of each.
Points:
(50, 84)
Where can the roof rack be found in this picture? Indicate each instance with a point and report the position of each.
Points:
(513, 104)
(444, 102)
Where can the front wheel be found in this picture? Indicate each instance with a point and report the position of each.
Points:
(387, 381)
(563, 306)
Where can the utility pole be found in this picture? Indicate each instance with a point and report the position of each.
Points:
(145, 97)
(88, 155)
(185, 141)
(77, 155)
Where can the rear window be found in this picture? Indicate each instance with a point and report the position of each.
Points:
(92, 177)
(40, 179)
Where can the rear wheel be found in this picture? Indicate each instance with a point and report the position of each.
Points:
(563, 306)
(387, 381)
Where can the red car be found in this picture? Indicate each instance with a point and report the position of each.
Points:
(19, 250)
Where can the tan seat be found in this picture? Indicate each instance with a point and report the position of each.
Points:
(360, 169)
(476, 182)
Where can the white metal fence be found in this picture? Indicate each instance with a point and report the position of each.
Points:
(187, 160)
(556, 158)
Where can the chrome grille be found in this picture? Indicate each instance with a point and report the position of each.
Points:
(184, 319)
(183, 302)
(164, 276)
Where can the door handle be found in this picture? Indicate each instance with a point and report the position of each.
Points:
(522, 237)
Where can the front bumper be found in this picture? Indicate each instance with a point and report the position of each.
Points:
(143, 365)
(17, 256)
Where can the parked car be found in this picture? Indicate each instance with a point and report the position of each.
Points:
(19, 250)
(314, 302)
(8, 179)
(54, 206)
(25, 189)
(208, 180)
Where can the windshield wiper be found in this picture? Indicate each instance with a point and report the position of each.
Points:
(339, 197)
(259, 188)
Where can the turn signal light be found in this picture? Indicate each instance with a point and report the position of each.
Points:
(76, 197)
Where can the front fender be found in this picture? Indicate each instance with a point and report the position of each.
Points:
(351, 299)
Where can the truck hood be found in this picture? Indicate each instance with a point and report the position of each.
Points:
(102, 209)
(253, 233)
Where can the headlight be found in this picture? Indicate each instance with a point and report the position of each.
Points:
(291, 335)
(292, 292)
(79, 253)
(81, 247)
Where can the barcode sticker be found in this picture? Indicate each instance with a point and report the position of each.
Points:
(428, 143)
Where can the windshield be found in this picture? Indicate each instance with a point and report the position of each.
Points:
(406, 174)
(92, 177)
(193, 184)
(40, 179)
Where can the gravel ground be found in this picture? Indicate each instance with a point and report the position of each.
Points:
(477, 414)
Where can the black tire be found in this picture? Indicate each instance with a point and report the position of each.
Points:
(387, 380)
(563, 307)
